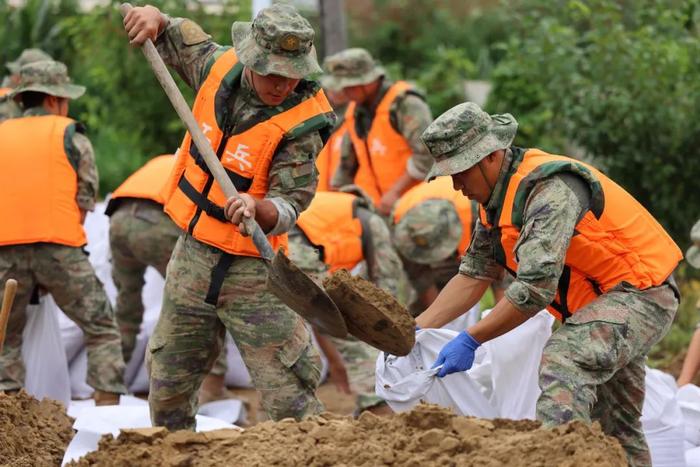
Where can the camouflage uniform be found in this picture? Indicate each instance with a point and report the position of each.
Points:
(692, 256)
(8, 107)
(62, 270)
(140, 235)
(274, 341)
(593, 365)
(409, 114)
(384, 270)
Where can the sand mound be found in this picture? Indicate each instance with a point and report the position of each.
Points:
(427, 436)
(32, 432)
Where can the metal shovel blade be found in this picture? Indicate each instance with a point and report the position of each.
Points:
(300, 293)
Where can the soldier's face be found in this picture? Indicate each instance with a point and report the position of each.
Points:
(362, 93)
(272, 89)
(472, 185)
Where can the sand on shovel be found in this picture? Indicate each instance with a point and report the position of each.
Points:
(371, 314)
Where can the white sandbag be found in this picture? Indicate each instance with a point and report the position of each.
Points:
(689, 402)
(662, 420)
(486, 390)
(405, 381)
(692, 457)
(43, 355)
(92, 422)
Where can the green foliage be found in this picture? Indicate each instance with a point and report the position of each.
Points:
(619, 80)
(438, 46)
(128, 116)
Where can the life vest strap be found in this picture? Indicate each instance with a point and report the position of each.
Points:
(241, 183)
(211, 209)
(218, 274)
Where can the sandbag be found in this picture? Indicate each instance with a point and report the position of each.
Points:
(42, 353)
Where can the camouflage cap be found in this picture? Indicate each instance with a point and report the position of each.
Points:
(464, 135)
(429, 232)
(351, 67)
(693, 253)
(49, 77)
(279, 41)
(28, 56)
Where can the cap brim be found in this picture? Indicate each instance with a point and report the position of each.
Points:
(692, 256)
(70, 91)
(348, 81)
(262, 62)
(464, 159)
(13, 67)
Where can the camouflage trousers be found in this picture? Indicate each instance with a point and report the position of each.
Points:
(592, 367)
(360, 362)
(273, 340)
(67, 274)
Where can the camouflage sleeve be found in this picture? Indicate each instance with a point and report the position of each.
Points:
(187, 49)
(345, 173)
(385, 268)
(82, 158)
(479, 260)
(548, 226)
(411, 116)
(293, 179)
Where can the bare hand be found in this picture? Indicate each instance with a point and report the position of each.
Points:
(387, 202)
(143, 22)
(338, 375)
(238, 207)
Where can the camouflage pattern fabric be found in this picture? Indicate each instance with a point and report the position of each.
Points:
(292, 174)
(67, 274)
(274, 341)
(409, 115)
(459, 138)
(49, 77)
(592, 367)
(27, 56)
(9, 108)
(140, 235)
(359, 358)
(279, 41)
(693, 253)
(350, 67)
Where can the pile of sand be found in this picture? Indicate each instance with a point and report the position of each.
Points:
(426, 436)
(32, 432)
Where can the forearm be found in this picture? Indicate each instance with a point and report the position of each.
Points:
(504, 317)
(459, 295)
(266, 214)
(403, 183)
(691, 364)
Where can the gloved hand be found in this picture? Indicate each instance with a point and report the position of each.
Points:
(457, 355)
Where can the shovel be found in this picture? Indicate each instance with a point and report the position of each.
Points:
(286, 281)
(8, 299)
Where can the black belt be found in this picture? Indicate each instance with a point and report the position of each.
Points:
(218, 274)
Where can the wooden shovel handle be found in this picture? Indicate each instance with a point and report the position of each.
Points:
(7, 300)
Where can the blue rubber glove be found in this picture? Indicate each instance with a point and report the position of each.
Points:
(457, 355)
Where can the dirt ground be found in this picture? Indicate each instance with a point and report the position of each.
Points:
(32, 433)
(427, 436)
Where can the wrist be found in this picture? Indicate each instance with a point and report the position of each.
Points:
(469, 340)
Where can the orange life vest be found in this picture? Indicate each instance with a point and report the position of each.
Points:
(616, 240)
(38, 184)
(441, 188)
(329, 158)
(5, 91)
(330, 223)
(146, 183)
(194, 200)
(381, 156)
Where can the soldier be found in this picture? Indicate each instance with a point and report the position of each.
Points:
(341, 231)
(265, 123)
(691, 364)
(382, 152)
(140, 235)
(8, 106)
(329, 158)
(48, 183)
(578, 244)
